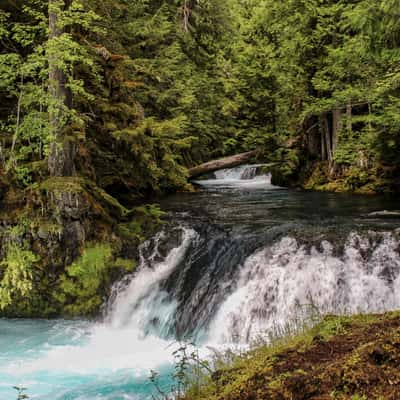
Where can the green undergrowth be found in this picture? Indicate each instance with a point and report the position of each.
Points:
(17, 271)
(352, 358)
(65, 245)
(348, 178)
(147, 219)
(81, 287)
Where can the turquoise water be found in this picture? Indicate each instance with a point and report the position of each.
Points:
(107, 360)
(77, 360)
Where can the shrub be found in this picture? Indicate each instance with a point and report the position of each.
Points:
(17, 270)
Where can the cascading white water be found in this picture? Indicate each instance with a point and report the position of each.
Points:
(142, 300)
(278, 285)
(242, 176)
(243, 172)
(95, 349)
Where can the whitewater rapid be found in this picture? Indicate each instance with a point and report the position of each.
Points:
(284, 284)
(246, 176)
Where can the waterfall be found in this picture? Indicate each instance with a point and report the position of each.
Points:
(249, 173)
(141, 302)
(280, 284)
(242, 176)
(275, 285)
(134, 334)
(243, 172)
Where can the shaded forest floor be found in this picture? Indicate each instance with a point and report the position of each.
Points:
(355, 358)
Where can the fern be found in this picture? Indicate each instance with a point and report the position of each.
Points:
(17, 280)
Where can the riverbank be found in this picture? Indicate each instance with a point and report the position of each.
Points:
(353, 358)
(298, 168)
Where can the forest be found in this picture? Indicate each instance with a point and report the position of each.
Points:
(105, 105)
(199, 199)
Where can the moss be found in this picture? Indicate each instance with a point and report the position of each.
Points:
(354, 357)
(128, 265)
(146, 220)
(347, 178)
(63, 184)
(80, 290)
(86, 282)
(317, 178)
(47, 229)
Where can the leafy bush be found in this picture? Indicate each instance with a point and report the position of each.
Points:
(81, 286)
(17, 271)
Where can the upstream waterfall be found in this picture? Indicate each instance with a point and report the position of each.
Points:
(238, 260)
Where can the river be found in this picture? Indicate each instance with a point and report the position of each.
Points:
(237, 261)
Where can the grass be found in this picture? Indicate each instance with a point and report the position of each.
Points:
(352, 357)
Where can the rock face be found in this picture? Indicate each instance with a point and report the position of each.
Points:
(56, 222)
(60, 211)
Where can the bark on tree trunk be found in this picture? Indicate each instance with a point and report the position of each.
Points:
(16, 132)
(62, 148)
(327, 137)
(336, 128)
(322, 134)
(227, 162)
(369, 116)
(349, 124)
(187, 11)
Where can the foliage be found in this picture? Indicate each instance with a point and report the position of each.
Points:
(81, 287)
(17, 274)
(145, 222)
(24, 72)
(304, 61)
(171, 84)
(189, 372)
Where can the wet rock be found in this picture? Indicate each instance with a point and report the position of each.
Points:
(72, 241)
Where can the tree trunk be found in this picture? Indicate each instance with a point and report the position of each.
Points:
(324, 155)
(336, 128)
(349, 124)
(62, 148)
(326, 136)
(369, 116)
(17, 124)
(227, 162)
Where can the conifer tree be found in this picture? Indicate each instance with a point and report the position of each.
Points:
(62, 151)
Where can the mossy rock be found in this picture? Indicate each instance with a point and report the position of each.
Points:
(63, 184)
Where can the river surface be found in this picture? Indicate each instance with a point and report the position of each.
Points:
(237, 261)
